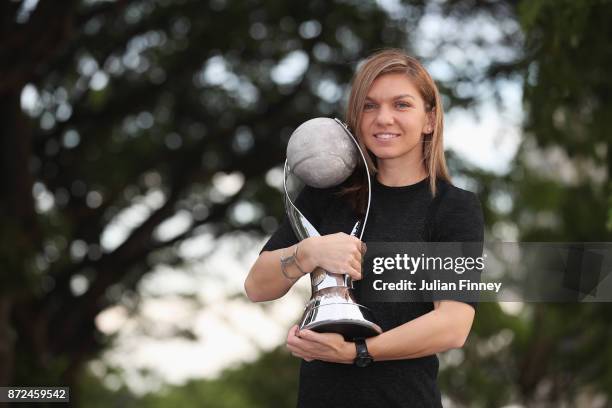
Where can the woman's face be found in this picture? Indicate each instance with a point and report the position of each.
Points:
(394, 119)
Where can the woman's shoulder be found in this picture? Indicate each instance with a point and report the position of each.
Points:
(453, 196)
(459, 215)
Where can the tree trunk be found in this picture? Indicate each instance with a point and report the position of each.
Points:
(19, 233)
(6, 341)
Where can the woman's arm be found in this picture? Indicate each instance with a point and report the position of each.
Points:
(338, 253)
(444, 328)
(265, 280)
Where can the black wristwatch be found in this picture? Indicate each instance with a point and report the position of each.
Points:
(363, 358)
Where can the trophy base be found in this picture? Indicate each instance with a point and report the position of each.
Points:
(348, 319)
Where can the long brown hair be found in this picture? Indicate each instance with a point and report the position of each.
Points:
(389, 61)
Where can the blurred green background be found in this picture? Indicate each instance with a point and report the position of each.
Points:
(141, 145)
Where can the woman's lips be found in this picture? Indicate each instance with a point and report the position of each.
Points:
(385, 136)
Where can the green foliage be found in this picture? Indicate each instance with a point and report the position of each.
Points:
(560, 187)
(270, 379)
(93, 393)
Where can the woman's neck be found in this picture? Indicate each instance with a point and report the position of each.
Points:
(397, 174)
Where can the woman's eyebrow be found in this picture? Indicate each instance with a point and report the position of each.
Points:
(369, 98)
(404, 96)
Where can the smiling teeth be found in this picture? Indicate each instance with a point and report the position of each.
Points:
(385, 135)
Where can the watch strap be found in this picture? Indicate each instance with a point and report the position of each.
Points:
(363, 357)
(362, 348)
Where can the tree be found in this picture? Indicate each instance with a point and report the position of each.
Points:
(111, 105)
(561, 191)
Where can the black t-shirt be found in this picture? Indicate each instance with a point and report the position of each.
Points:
(397, 214)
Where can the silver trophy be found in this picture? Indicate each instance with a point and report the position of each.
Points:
(333, 153)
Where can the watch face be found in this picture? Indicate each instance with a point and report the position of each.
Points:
(363, 361)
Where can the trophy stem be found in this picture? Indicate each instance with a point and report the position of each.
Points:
(332, 306)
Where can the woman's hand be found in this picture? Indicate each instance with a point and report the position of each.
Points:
(310, 345)
(336, 253)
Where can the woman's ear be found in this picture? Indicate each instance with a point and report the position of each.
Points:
(431, 120)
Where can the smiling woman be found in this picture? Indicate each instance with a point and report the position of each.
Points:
(396, 114)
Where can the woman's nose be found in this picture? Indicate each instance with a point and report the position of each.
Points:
(385, 116)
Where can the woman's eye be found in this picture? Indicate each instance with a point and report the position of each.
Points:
(368, 106)
(402, 105)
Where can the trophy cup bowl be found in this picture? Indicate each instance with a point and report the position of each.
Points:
(333, 153)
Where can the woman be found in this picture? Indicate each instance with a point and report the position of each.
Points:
(395, 111)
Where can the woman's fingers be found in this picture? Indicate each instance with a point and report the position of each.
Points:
(292, 332)
(364, 248)
(342, 254)
(355, 271)
(307, 359)
(351, 267)
(293, 345)
(352, 264)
